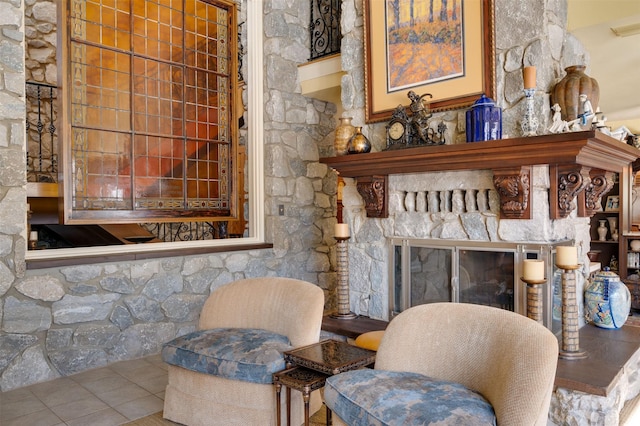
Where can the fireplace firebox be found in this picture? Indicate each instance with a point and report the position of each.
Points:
(485, 273)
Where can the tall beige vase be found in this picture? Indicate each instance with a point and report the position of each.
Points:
(344, 132)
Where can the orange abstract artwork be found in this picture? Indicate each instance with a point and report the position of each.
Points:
(424, 42)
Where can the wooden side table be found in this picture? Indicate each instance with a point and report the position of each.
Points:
(311, 365)
(303, 380)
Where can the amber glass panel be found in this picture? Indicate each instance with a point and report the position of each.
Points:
(101, 164)
(150, 105)
(100, 88)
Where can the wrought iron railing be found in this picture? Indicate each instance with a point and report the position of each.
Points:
(325, 28)
(187, 231)
(42, 157)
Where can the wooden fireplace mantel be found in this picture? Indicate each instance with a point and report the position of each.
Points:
(581, 166)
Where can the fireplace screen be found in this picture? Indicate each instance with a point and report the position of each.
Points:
(429, 271)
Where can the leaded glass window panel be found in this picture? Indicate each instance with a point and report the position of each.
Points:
(150, 93)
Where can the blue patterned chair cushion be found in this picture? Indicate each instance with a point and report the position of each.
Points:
(249, 355)
(378, 397)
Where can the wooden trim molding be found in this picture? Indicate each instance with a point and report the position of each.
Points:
(575, 161)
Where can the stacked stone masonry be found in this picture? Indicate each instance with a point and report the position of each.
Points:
(58, 321)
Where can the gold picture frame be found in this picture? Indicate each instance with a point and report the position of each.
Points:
(460, 70)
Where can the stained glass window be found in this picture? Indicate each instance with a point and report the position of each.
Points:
(150, 92)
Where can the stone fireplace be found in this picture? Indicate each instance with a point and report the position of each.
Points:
(540, 190)
(452, 211)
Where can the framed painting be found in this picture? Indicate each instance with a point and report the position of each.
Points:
(613, 204)
(442, 47)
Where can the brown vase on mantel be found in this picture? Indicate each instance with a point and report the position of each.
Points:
(344, 132)
(568, 90)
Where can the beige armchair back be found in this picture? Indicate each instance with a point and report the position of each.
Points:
(508, 358)
(281, 305)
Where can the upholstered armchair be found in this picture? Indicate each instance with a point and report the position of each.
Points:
(222, 374)
(452, 363)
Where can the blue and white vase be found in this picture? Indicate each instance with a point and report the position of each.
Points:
(484, 120)
(607, 300)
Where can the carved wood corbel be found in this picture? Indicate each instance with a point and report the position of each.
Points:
(589, 200)
(373, 190)
(567, 181)
(514, 187)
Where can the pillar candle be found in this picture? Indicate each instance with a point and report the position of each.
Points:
(533, 270)
(33, 236)
(342, 230)
(566, 255)
(529, 77)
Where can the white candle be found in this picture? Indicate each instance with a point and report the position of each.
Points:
(33, 236)
(342, 230)
(566, 255)
(533, 270)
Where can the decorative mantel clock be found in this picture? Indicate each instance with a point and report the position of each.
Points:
(407, 131)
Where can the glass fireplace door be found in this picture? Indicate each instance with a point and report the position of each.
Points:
(486, 277)
(429, 277)
(484, 273)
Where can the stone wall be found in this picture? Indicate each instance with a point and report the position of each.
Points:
(59, 321)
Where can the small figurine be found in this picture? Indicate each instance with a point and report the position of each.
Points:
(587, 110)
(418, 107)
(559, 125)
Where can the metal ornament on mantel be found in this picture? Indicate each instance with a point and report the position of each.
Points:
(410, 130)
(358, 143)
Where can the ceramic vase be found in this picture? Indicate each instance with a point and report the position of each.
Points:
(602, 230)
(359, 144)
(607, 300)
(484, 121)
(613, 223)
(344, 132)
(567, 91)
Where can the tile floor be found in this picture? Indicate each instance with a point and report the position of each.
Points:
(111, 395)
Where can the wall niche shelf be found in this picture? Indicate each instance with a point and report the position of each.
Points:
(581, 164)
